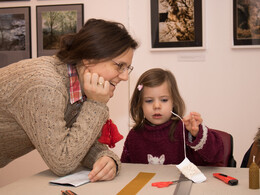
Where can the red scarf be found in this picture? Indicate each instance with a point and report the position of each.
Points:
(110, 134)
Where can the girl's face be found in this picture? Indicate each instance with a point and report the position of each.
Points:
(109, 70)
(157, 104)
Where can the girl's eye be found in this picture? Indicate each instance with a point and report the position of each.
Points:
(148, 101)
(164, 100)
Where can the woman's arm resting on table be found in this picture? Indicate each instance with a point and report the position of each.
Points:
(103, 169)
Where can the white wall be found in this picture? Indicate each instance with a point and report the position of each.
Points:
(221, 85)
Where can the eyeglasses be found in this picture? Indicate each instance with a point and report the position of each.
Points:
(122, 67)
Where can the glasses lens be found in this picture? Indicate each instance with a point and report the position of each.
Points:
(130, 69)
(123, 67)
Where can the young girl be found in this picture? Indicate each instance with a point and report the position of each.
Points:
(157, 135)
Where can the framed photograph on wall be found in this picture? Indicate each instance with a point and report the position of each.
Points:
(54, 21)
(176, 24)
(15, 34)
(14, 0)
(246, 23)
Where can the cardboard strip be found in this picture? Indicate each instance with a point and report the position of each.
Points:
(136, 184)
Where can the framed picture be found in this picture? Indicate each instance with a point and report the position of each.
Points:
(176, 24)
(15, 34)
(14, 0)
(53, 21)
(246, 23)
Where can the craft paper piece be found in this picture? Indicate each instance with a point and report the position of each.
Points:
(187, 168)
(75, 179)
(191, 171)
(136, 184)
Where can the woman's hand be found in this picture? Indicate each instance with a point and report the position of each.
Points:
(95, 87)
(192, 122)
(103, 169)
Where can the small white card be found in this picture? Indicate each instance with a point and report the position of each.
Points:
(75, 179)
(191, 171)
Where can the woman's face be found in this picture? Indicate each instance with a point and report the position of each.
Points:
(109, 69)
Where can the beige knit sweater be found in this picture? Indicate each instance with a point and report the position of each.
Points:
(35, 113)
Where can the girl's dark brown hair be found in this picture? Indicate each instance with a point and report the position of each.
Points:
(153, 78)
(98, 40)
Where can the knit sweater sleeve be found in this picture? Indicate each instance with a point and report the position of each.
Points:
(208, 146)
(98, 150)
(40, 112)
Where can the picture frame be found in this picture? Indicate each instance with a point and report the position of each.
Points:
(246, 24)
(15, 34)
(53, 21)
(177, 25)
(13, 0)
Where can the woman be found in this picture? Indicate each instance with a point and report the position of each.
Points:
(57, 104)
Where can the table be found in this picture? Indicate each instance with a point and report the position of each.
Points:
(39, 183)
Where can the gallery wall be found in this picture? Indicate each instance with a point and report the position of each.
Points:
(219, 81)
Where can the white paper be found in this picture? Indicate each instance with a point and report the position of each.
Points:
(75, 179)
(191, 171)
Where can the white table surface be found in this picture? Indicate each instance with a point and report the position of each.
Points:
(39, 184)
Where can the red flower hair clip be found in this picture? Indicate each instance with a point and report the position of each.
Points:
(110, 134)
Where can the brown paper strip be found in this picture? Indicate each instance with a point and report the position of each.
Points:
(136, 184)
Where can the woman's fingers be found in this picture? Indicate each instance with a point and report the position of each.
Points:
(103, 169)
(95, 87)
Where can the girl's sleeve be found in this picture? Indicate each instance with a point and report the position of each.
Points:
(207, 146)
(125, 154)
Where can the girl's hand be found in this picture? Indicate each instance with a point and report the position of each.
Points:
(95, 87)
(192, 122)
(103, 169)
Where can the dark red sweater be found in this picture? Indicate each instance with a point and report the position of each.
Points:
(205, 149)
